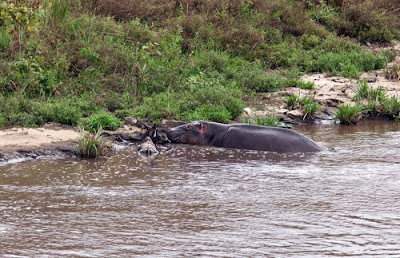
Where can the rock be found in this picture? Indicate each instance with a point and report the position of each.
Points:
(295, 114)
(247, 112)
(130, 121)
(128, 133)
(280, 113)
(368, 77)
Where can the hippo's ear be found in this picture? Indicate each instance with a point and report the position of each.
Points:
(190, 126)
(200, 125)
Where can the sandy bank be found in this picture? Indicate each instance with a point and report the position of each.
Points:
(51, 139)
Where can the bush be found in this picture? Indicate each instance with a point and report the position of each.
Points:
(101, 119)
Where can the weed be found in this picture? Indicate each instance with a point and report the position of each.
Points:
(306, 85)
(393, 72)
(362, 91)
(291, 101)
(309, 109)
(57, 11)
(392, 106)
(377, 94)
(270, 120)
(90, 145)
(348, 115)
(373, 108)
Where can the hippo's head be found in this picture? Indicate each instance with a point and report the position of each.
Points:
(190, 133)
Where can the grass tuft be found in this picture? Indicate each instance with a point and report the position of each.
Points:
(270, 120)
(348, 115)
(393, 72)
(90, 145)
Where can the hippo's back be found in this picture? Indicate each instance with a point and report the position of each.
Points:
(263, 138)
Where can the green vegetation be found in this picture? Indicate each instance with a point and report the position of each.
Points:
(101, 120)
(270, 120)
(393, 72)
(348, 115)
(374, 101)
(306, 104)
(291, 101)
(91, 145)
(62, 61)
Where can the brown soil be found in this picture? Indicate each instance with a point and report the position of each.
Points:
(51, 139)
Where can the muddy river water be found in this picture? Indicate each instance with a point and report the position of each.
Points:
(196, 201)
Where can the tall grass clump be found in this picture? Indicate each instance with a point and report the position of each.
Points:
(392, 106)
(348, 115)
(291, 101)
(91, 145)
(392, 72)
(57, 11)
(362, 91)
(308, 106)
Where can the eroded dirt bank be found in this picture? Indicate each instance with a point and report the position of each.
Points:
(49, 140)
(55, 140)
(329, 92)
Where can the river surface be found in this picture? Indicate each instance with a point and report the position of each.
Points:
(196, 201)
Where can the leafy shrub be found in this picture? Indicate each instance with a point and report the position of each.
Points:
(101, 119)
(201, 97)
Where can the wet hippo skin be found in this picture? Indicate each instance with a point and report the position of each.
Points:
(242, 136)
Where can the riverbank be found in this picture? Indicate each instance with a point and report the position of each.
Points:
(51, 140)
(329, 92)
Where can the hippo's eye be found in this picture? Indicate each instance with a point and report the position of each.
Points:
(190, 126)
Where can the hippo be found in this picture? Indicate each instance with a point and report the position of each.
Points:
(147, 147)
(242, 136)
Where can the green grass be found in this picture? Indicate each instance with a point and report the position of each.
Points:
(310, 109)
(348, 115)
(90, 145)
(291, 101)
(101, 119)
(378, 102)
(270, 120)
(70, 60)
(393, 72)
